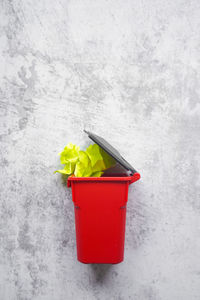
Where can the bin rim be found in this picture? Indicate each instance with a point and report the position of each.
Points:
(127, 178)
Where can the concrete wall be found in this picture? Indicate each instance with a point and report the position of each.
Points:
(129, 71)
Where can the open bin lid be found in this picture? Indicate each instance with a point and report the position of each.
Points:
(134, 176)
(111, 151)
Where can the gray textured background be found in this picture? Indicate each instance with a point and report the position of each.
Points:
(129, 71)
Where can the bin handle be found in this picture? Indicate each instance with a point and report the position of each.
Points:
(136, 176)
(69, 181)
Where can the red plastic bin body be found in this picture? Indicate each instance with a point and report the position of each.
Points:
(100, 217)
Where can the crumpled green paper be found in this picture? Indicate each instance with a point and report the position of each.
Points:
(89, 163)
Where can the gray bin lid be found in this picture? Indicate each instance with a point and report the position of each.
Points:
(111, 151)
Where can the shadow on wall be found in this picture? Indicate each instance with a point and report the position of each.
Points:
(139, 220)
(101, 271)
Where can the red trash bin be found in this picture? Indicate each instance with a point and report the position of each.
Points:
(100, 216)
(100, 210)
